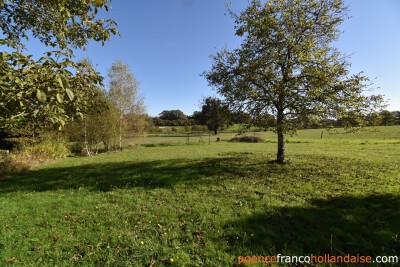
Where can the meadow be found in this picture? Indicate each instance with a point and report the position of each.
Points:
(168, 203)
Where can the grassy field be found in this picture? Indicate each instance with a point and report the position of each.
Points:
(381, 134)
(206, 204)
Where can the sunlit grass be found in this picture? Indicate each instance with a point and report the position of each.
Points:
(204, 205)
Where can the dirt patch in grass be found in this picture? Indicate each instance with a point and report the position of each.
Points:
(247, 139)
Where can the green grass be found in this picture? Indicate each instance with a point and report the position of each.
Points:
(372, 134)
(204, 205)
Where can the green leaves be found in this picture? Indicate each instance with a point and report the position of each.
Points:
(41, 96)
(70, 94)
(60, 82)
(57, 24)
(45, 91)
(41, 91)
(60, 98)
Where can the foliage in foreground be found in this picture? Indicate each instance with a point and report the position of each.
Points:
(204, 205)
(54, 88)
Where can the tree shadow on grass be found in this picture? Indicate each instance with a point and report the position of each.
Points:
(109, 176)
(356, 225)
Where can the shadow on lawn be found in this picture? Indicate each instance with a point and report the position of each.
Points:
(355, 225)
(108, 176)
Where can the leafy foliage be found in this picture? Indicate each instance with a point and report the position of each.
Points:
(172, 115)
(98, 129)
(54, 88)
(44, 92)
(61, 24)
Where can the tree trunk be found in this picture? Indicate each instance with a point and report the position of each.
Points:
(120, 132)
(280, 158)
(106, 142)
(86, 142)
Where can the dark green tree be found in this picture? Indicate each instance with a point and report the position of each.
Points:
(287, 66)
(172, 115)
(214, 114)
(396, 114)
(387, 118)
(373, 119)
(196, 117)
(240, 117)
(52, 89)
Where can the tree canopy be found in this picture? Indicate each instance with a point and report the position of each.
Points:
(53, 88)
(287, 65)
(214, 113)
(172, 115)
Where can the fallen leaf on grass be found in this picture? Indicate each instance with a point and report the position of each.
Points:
(11, 259)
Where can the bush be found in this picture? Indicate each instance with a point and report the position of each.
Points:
(247, 139)
(31, 152)
(45, 150)
(178, 129)
(156, 130)
(12, 163)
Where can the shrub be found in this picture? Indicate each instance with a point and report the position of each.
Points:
(48, 146)
(156, 130)
(12, 163)
(45, 150)
(178, 129)
(188, 128)
(247, 139)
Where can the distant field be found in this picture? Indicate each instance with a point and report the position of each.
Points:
(173, 204)
(379, 134)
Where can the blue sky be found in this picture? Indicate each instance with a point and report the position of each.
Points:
(167, 44)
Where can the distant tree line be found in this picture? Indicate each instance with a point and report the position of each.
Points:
(214, 114)
(217, 116)
(382, 118)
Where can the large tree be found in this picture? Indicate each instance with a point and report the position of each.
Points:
(288, 66)
(53, 88)
(172, 115)
(214, 113)
(124, 92)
